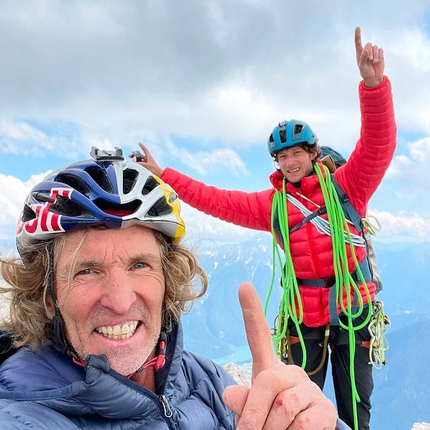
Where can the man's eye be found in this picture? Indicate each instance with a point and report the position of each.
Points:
(139, 265)
(84, 272)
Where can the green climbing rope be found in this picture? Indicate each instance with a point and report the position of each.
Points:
(346, 288)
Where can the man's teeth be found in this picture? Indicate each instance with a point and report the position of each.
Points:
(123, 331)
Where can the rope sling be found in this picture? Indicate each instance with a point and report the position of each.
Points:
(345, 286)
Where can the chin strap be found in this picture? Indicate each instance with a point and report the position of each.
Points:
(57, 331)
(159, 360)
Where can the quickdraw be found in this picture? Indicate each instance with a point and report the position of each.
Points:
(378, 325)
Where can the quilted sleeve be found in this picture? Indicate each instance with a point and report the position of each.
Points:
(372, 155)
(250, 210)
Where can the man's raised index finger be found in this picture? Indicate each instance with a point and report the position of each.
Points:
(257, 329)
(358, 44)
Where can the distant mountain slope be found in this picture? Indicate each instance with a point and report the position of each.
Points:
(402, 386)
(403, 269)
(215, 325)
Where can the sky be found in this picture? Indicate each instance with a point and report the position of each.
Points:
(202, 84)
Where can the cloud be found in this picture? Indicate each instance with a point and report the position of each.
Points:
(13, 193)
(399, 227)
(213, 161)
(228, 69)
(413, 165)
(36, 140)
(402, 227)
(22, 139)
(202, 227)
(20, 131)
(220, 74)
(414, 46)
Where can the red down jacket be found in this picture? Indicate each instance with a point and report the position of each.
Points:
(311, 251)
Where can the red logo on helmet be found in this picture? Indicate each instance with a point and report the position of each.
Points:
(45, 221)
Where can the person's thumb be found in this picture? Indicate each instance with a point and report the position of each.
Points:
(235, 397)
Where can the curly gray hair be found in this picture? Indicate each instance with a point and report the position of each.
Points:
(27, 287)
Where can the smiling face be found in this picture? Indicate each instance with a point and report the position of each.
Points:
(110, 293)
(295, 163)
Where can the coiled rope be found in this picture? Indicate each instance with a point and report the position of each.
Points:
(346, 287)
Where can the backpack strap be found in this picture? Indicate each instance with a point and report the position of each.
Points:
(349, 210)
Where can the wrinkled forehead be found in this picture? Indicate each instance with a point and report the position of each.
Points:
(96, 241)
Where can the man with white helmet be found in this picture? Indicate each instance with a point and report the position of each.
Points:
(94, 340)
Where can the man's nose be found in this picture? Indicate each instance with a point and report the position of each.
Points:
(119, 294)
(289, 160)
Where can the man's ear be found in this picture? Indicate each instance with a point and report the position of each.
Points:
(49, 308)
(314, 155)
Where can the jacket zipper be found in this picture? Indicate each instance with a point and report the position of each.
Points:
(166, 406)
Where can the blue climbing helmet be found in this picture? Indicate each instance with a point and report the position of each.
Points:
(290, 133)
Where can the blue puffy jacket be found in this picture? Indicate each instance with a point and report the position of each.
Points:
(42, 389)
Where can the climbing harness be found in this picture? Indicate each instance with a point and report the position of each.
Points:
(323, 345)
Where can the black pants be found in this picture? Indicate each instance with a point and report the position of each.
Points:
(339, 345)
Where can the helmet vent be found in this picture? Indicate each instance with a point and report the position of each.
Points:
(150, 185)
(118, 209)
(298, 128)
(27, 214)
(283, 135)
(73, 182)
(66, 207)
(160, 208)
(129, 179)
(100, 177)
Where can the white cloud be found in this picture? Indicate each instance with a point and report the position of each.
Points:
(23, 139)
(414, 47)
(229, 70)
(13, 193)
(202, 161)
(20, 131)
(402, 227)
(15, 135)
(412, 168)
(77, 74)
(399, 227)
(420, 150)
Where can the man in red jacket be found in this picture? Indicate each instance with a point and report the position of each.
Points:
(322, 312)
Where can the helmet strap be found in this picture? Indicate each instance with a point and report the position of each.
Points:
(159, 360)
(57, 330)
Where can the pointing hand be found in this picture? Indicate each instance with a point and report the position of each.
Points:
(370, 61)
